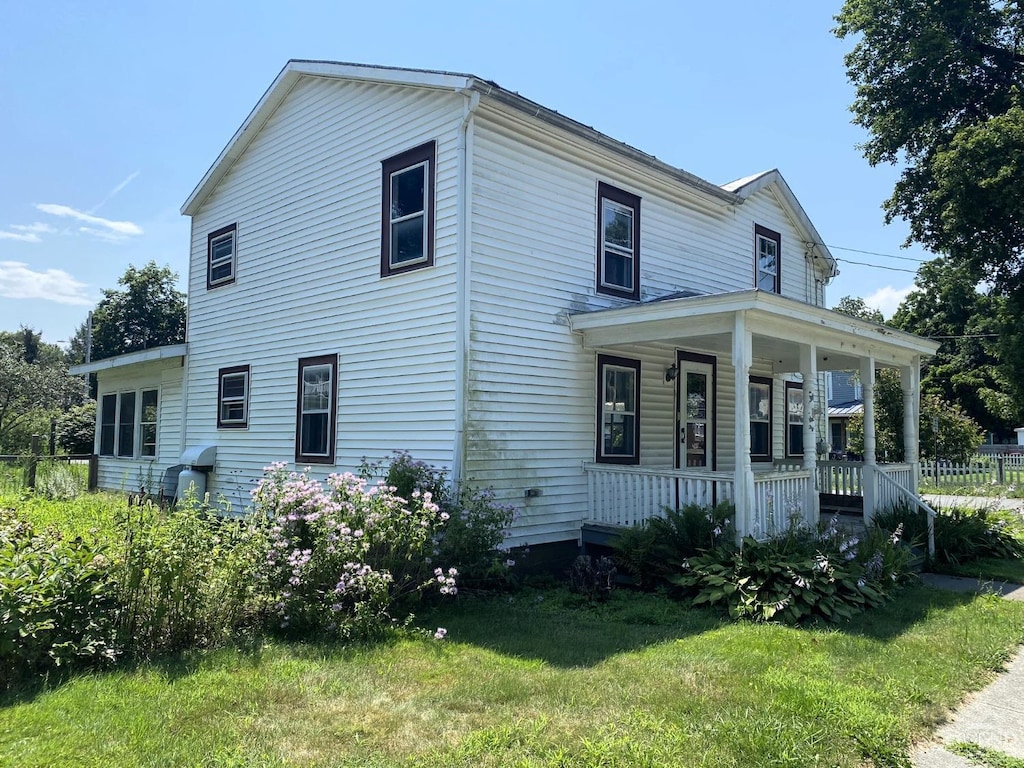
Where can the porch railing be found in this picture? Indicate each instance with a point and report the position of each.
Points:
(889, 490)
(845, 478)
(628, 495)
(779, 497)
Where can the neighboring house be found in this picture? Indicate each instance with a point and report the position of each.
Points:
(390, 259)
(845, 400)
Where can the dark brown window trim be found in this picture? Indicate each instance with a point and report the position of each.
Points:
(423, 153)
(233, 230)
(621, 196)
(769, 234)
(771, 420)
(790, 386)
(235, 369)
(696, 357)
(332, 419)
(622, 362)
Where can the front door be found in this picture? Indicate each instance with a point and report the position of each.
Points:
(696, 414)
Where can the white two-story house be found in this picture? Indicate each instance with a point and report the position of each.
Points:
(388, 259)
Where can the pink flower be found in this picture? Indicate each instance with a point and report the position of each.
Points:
(440, 633)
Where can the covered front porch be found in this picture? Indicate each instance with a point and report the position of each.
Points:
(735, 381)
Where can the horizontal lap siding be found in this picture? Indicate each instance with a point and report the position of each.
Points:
(306, 198)
(123, 474)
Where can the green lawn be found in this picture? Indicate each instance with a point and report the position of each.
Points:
(990, 569)
(539, 679)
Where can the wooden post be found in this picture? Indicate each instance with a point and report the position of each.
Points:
(867, 380)
(809, 372)
(743, 490)
(33, 461)
(94, 472)
(53, 437)
(1000, 471)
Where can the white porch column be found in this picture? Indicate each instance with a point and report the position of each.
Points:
(809, 372)
(867, 380)
(742, 356)
(910, 383)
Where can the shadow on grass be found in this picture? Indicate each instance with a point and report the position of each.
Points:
(911, 606)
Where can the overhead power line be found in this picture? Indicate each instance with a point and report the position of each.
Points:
(876, 253)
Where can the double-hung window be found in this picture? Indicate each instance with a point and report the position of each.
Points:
(760, 390)
(618, 242)
(767, 259)
(233, 397)
(618, 392)
(316, 412)
(407, 215)
(794, 418)
(128, 424)
(220, 256)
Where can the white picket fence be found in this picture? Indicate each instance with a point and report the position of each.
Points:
(981, 470)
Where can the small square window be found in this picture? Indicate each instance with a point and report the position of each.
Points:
(316, 411)
(618, 242)
(618, 392)
(767, 259)
(233, 397)
(407, 215)
(220, 256)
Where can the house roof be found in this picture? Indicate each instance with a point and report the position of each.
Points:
(779, 324)
(845, 410)
(131, 358)
(749, 185)
(463, 82)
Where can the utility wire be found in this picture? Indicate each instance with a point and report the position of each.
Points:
(876, 253)
(877, 266)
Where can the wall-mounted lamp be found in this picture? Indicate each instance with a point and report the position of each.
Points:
(671, 373)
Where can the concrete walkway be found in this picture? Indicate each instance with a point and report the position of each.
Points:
(994, 717)
(974, 502)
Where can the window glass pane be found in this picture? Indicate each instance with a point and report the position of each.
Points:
(222, 247)
(232, 411)
(126, 425)
(618, 225)
(148, 435)
(233, 386)
(760, 401)
(108, 416)
(407, 240)
(149, 406)
(759, 438)
(796, 439)
(620, 386)
(795, 405)
(696, 395)
(618, 270)
(407, 188)
(316, 388)
(314, 434)
(619, 434)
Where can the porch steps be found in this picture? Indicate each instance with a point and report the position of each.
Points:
(841, 504)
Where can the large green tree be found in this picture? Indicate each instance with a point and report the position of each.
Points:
(147, 311)
(939, 91)
(968, 367)
(31, 392)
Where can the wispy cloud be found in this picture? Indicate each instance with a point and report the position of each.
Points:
(114, 191)
(122, 228)
(39, 228)
(18, 281)
(888, 299)
(22, 237)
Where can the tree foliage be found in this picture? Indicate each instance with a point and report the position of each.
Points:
(29, 393)
(856, 307)
(147, 311)
(939, 91)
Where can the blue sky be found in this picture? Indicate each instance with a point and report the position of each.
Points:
(115, 110)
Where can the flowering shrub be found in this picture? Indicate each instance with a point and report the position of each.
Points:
(474, 538)
(961, 535)
(57, 601)
(801, 574)
(346, 557)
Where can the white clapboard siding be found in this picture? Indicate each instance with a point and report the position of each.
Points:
(305, 196)
(130, 474)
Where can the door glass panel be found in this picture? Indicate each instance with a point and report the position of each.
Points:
(695, 416)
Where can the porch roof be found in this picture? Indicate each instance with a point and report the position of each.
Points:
(779, 325)
(131, 358)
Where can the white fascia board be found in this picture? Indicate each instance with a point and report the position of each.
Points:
(131, 358)
(765, 309)
(282, 85)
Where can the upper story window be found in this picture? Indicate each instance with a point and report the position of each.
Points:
(316, 412)
(233, 397)
(618, 391)
(220, 256)
(760, 419)
(767, 259)
(407, 216)
(124, 425)
(618, 242)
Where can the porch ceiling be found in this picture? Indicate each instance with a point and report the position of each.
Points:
(779, 325)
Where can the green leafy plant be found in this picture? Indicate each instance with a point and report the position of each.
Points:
(57, 601)
(962, 535)
(593, 577)
(652, 552)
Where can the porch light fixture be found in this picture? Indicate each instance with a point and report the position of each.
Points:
(671, 373)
